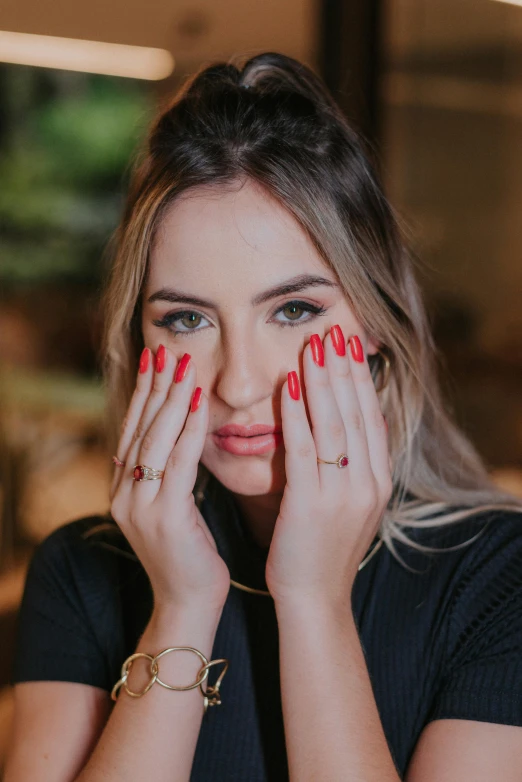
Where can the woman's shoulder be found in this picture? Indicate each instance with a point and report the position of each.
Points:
(85, 534)
(483, 638)
(481, 529)
(474, 565)
(77, 527)
(85, 594)
(83, 549)
(488, 552)
(493, 559)
(461, 559)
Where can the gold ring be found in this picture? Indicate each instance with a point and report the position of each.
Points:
(143, 473)
(341, 461)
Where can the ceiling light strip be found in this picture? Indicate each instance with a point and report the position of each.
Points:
(75, 54)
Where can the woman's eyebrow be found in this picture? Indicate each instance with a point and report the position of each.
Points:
(293, 285)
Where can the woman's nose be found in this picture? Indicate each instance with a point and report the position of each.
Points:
(245, 376)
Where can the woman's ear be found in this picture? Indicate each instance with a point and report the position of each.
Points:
(372, 346)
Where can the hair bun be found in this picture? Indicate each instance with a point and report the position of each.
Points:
(275, 72)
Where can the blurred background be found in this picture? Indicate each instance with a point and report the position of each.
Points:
(434, 85)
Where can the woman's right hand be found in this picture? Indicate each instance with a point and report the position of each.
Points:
(160, 518)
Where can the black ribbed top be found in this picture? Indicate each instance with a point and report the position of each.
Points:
(444, 642)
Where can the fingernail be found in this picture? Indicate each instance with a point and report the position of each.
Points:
(196, 399)
(338, 340)
(293, 385)
(182, 368)
(161, 355)
(317, 349)
(144, 360)
(356, 348)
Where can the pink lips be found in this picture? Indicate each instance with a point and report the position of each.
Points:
(246, 431)
(251, 440)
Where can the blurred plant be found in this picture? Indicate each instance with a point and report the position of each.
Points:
(65, 145)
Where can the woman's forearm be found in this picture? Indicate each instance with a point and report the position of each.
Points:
(332, 726)
(155, 736)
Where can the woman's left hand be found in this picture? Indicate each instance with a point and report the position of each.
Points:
(329, 515)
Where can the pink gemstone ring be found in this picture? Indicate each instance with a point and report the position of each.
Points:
(341, 461)
(143, 473)
(118, 462)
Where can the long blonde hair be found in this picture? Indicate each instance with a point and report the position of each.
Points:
(273, 120)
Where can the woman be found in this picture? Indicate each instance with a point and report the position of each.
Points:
(284, 434)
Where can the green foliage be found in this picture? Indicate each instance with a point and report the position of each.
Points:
(63, 164)
(89, 138)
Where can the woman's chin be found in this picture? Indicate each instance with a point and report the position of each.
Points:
(248, 476)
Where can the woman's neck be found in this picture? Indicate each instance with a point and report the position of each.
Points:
(260, 515)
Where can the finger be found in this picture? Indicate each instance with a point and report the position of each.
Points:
(165, 428)
(341, 378)
(162, 371)
(181, 468)
(300, 454)
(328, 427)
(134, 412)
(374, 422)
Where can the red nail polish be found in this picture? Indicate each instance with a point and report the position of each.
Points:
(182, 368)
(356, 348)
(317, 349)
(293, 385)
(144, 360)
(338, 340)
(161, 356)
(196, 399)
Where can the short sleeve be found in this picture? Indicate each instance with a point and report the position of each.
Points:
(62, 612)
(481, 678)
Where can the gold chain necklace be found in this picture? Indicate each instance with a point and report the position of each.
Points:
(264, 592)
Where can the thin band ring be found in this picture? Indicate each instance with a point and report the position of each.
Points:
(143, 473)
(341, 461)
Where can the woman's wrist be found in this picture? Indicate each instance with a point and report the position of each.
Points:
(169, 626)
(167, 614)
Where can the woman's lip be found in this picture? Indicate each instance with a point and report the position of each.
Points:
(247, 431)
(248, 446)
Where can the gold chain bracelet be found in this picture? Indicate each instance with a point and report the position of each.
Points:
(211, 697)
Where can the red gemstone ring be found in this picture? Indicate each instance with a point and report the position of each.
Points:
(143, 473)
(341, 461)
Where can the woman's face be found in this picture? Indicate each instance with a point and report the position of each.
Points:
(235, 252)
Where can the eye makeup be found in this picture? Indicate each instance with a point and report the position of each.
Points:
(173, 317)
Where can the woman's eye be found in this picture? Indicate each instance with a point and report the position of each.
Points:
(293, 311)
(188, 321)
